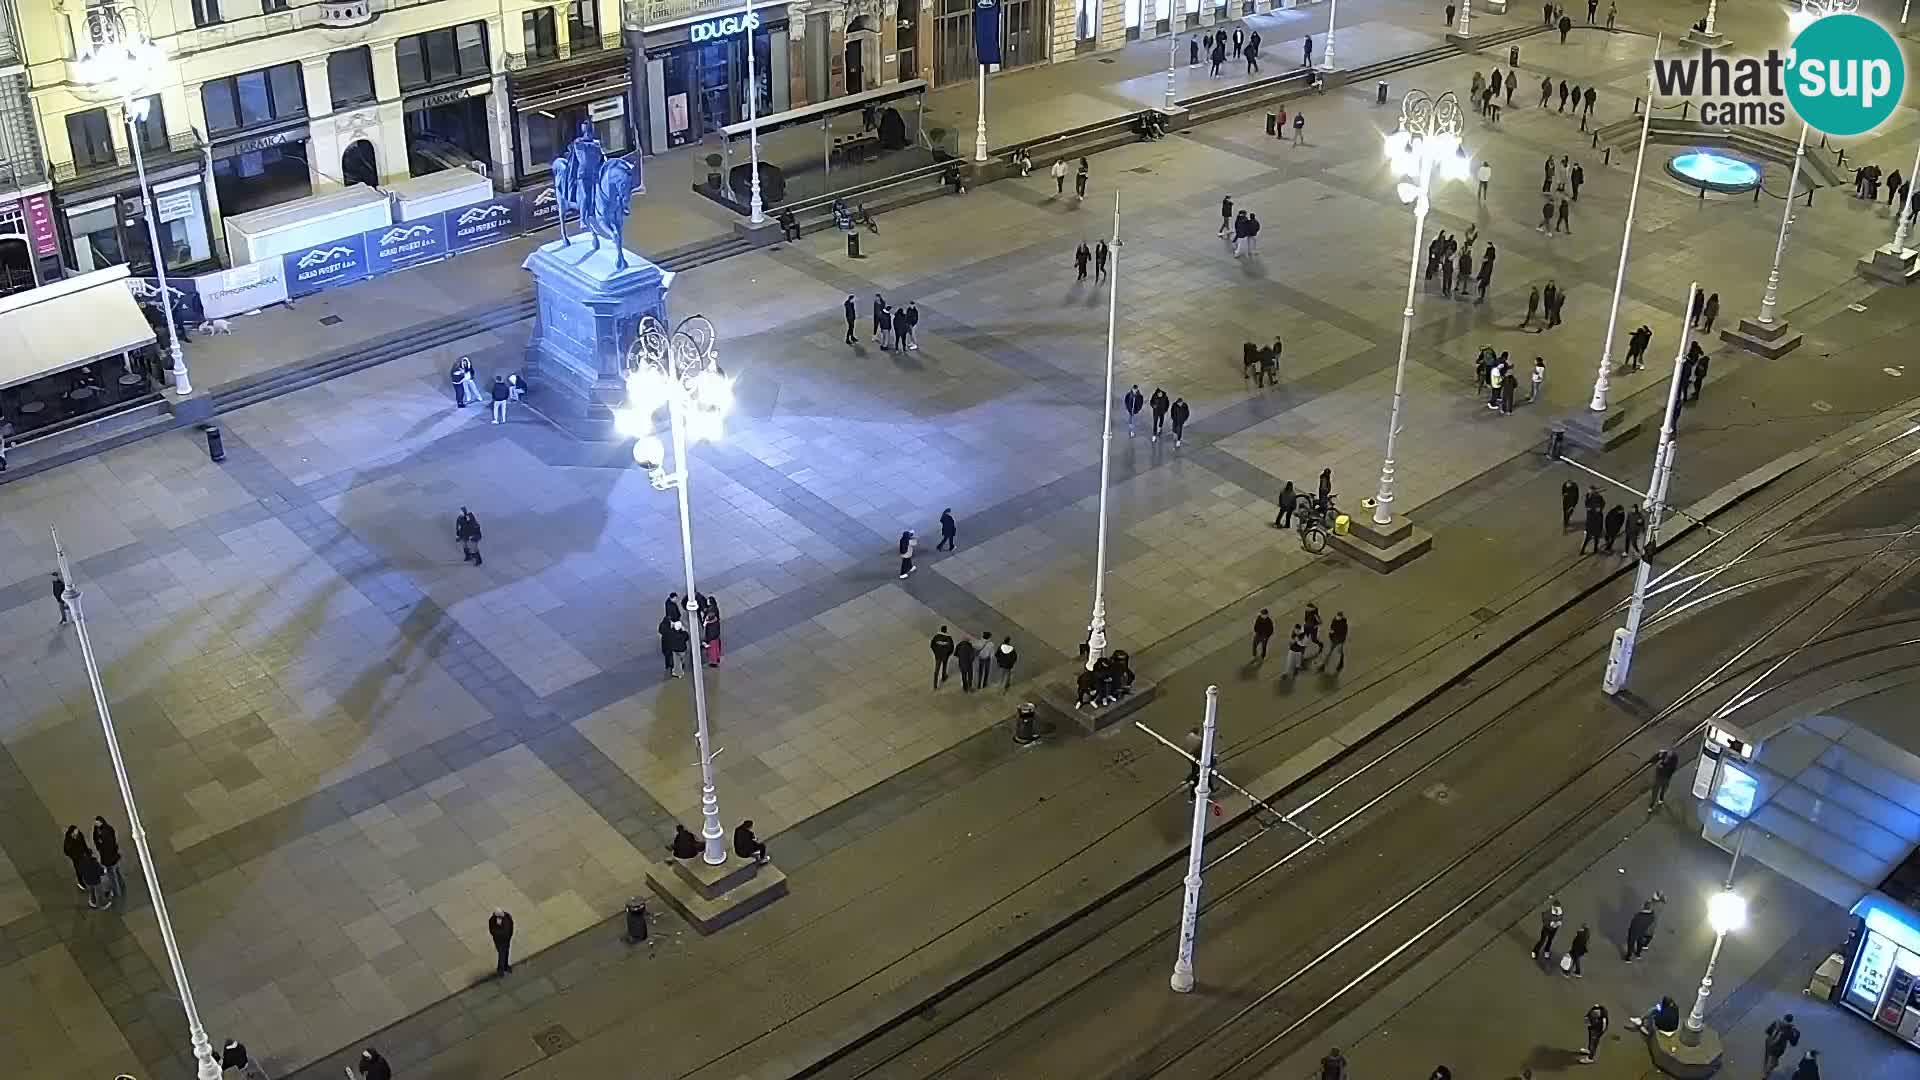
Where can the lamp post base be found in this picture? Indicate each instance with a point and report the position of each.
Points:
(1771, 341)
(1384, 548)
(713, 897)
(1603, 431)
(1716, 41)
(1686, 1055)
(1901, 267)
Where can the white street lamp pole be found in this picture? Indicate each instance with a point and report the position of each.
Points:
(980, 127)
(710, 828)
(1202, 795)
(1712, 5)
(1173, 44)
(207, 1065)
(757, 212)
(1427, 139)
(1602, 381)
(1727, 912)
(1620, 663)
(1326, 54)
(1466, 9)
(1097, 624)
(150, 211)
(1903, 213)
(1771, 301)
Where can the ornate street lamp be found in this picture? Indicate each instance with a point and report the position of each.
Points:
(1811, 11)
(679, 371)
(1726, 912)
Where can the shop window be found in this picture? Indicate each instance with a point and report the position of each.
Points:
(545, 134)
(257, 97)
(350, 76)
(152, 126)
(583, 25)
(92, 137)
(1087, 19)
(455, 52)
(96, 239)
(182, 224)
(538, 37)
(906, 35)
(206, 12)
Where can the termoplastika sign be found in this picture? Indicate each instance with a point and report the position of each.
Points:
(336, 262)
(715, 29)
(405, 243)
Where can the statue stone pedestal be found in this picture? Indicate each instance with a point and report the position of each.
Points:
(588, 314)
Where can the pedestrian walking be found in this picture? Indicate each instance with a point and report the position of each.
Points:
(1569, 501)
(1226, 215)
(1636, 527)
(1133, 402)
(1665, 764)
(500, 929)
(1289, 498)
(907, 544)
(1159, 403)
(1693, 313)
(1546, 91)
(1296, 650)
(1058, 170)
(1262, 633)
(1596, 522)
(1616, 520)
(107, 843)
(1809, 1067)
(1781, 1035)
(1253, 53)
(1561, 224)
(1596, 1016)
(1577, 951)
(1310, 622)
(1593, 11)
(1080, 180)
(942, 647)
(948, 530)
(1554, 308)
(1306, 56)
(1449, 15)
(1711, 312)
(1640, 931)
(1100, 256)
(500, 395)
(1006, 656)
(1576, 176)
(1539, 379)
(1333, 1066)
(1551, 917)
(983, 659)
(60, 597)
(673, 644)
(1336, 643)
(1082, 258)
(1486, 178)
(963, 659)
(1216, 58)
(1587, 100)
(909, 322)
(74, 846)
(748, 846)
(852, 313)
(466, 529)
(374, 1067)
(1179, 414)
(1483, 279)
(1546, 218)
(1566, 27)
(1513, 83)
(1699, 375)
(1563, 95)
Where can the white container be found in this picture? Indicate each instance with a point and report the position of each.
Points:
(448, 189)
(305, 223)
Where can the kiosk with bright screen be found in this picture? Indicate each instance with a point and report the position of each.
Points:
(1884, 984)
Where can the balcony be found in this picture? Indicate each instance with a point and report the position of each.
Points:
(572, 52)
(66, 172)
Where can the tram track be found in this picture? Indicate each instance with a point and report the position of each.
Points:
(1016, 1011)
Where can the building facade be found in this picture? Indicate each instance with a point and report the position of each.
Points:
(29, 248)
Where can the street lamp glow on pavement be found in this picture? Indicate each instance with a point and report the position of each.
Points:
(1726, 912)
(679, 371)
(207, 1065)
(1427, 141)
(118, 54)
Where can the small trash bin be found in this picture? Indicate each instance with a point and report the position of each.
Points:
(1380, 93)
(1342, 525)
(1273, 122)
(216, 447)
(1023, 724)
(1513, 56)
(853, 245)
(636, 919)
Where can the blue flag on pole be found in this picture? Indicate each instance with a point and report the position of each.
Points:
(986, 30)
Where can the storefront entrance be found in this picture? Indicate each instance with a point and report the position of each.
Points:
(358, 165)
(697, 76)
(261, 171)
(446, 131)
(954, 56)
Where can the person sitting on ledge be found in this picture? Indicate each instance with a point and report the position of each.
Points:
(746, 846)
(789, 225)
(1664, 1018)
(1087, 687)
(685, 845)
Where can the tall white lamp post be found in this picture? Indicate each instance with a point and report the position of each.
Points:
(1460, 27)
(1182, 979)
(1903, 215)
(1726, 912)
(119, 54)
(1810, 12)
(1326, 54)
(1602, 384)
(1097, 624)
(1173, 44)
(757, 213)
(207, 1065)
(1428, 141)
(679, 371)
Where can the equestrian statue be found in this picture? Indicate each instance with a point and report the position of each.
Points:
(598, 190)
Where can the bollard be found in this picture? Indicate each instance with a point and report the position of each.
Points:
(1273, 122)
(1380, 93)
(1023, 725)
(636, 920)
(216, 446)
(1606, 156)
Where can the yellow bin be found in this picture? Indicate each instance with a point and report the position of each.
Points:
(1342, 525)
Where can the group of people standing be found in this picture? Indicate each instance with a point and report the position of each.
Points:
(1561, 187)
(1553, 299)
(96, 869)
(1495, 377)
(1304, 631)
(676, 640)
(507, 387)
(976, 659)
(1163, 410)
(1241, 227)
(1604, 527)
(1450, 257)
(1866, 185)
(891, 326)
(1215, 46)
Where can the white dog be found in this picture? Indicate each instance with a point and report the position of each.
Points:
(216, 326)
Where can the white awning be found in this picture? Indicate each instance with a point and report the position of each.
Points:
(65, 324)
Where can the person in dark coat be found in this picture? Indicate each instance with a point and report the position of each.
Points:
(1134, 401)
(1665, 764)
(1699, 375)
(1159, 403)
(374, 1067)
(500, 929)
(673, 642)
(466, 529)
(1616, 520)
(1577, 950)
(853, 316)
(685, 845)
(1082, 256)
(1596, 523)
(74, 845)
(948, 530)
(1566, 27)
(1006, 656)
(1289, 498)
(1710, 312)
(942, 647)
(1595, 500)
(1809, 1067)
(1636, 527)
(1640, 931)
(1325, 495)
(233, 1055)
(906, 546)
(93, 879)
(107, 843)
(1569, 501)
(1333, 1066)
(1179, 413)
(1262, 633)
(748, 846)
(879, 309)
(1509, 385)
(963, 655)
(1101, 253)
(1596, 1016)
(1563, 95)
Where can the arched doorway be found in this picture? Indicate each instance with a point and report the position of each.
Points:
(860, 33)
(357, 164)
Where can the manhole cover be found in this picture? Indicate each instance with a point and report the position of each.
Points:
(1439, 793)
(1141, 169)
(1484, 614)
(554, 1039)
(330, 320)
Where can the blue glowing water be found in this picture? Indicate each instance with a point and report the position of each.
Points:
(1715, 170)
